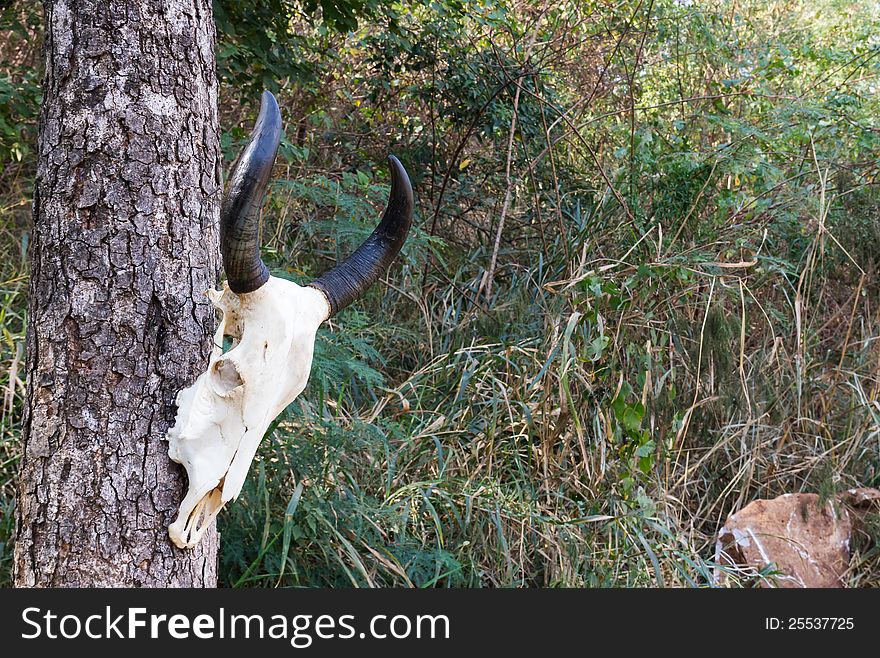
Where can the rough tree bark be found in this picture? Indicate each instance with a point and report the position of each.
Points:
(124, 244)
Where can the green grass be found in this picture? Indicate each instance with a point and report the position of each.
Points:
(683, 314)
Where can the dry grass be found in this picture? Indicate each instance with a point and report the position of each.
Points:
(680, 317)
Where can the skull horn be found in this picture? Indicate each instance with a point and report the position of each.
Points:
(240, 211)
(345, 282)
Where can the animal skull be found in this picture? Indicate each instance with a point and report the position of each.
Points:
(272, 322)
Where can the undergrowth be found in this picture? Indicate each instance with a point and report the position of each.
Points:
(639, 294)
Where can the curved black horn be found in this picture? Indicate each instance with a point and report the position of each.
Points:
(345, 282)
(240, 211)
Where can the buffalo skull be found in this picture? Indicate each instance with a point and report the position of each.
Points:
(272, 323)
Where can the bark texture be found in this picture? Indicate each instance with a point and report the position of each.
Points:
(124, 245)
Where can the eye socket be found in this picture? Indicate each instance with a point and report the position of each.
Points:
(227, 376)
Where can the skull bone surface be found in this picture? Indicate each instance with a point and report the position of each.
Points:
(271, 323)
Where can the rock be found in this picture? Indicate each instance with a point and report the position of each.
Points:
(808, 543)
(861, 500)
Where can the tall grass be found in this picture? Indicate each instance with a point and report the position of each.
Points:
(674, 317)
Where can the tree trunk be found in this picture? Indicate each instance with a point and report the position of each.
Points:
(124, 245)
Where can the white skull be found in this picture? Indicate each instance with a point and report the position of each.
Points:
(223, 416)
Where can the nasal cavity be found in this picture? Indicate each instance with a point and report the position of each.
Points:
(226, 376)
